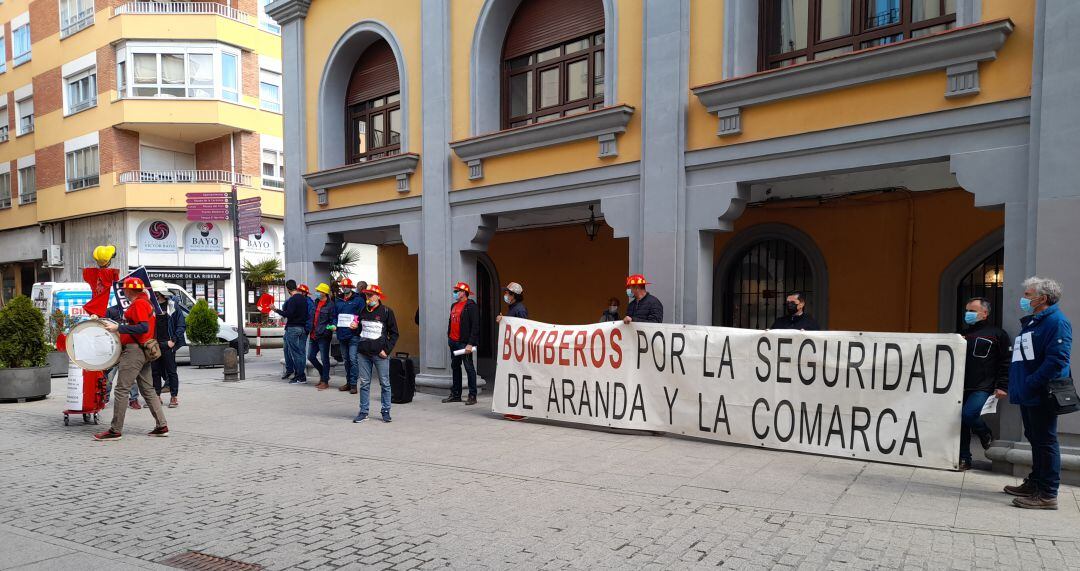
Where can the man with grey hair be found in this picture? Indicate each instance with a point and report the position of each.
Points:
(987, 373)
(1040, 354)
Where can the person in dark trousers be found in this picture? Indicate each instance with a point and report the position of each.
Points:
(612, 311)
(321, 332)
(349, 304)
(169, 329)
(989, 350)
(378, 333)
(295, 312)
(463, 334)
(643, 307)
(1040, 354)
(514, 298)
(795, 316)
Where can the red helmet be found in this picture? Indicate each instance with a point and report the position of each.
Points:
(462, 286)
(133, 284)
(374, 289)
(636, 280)
(346, 282)
(302, 288)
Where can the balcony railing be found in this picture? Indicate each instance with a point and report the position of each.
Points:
(273, 183)
(77, 22)
(28, 197)
(82, 105)
(185, 177)
(184, 8)
(83, 182)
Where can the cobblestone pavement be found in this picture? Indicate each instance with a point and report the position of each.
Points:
(264, 472)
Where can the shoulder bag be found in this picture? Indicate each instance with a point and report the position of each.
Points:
(151, 350)
(1061, 396)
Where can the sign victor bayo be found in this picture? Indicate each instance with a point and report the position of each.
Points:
(203, 238)
(890, 397)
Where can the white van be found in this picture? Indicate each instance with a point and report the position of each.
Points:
(69, 297)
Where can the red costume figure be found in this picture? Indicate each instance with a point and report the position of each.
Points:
(101, 280)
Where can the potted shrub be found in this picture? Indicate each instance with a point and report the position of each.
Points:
(24, 351)
(202, 329)
(58, 360)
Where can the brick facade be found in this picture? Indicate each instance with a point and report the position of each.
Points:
(248, 153)
(44, 19)
(7, 39)
(11, 114)
(118, 150)
(14, 179)
(106, 69)
(212, 154)
(249, 67)
(50, 166)
(249, 6)
(48, 90)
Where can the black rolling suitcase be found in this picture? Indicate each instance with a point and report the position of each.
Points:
(402, 378)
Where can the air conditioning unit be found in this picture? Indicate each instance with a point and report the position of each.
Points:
(52, 256)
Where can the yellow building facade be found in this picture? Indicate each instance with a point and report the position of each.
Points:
(887, 158)
(113, 111)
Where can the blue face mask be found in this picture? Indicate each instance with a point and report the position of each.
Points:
(453, 296)
(1025, 305)
(372, 302)
(629, 292)
(971, 317)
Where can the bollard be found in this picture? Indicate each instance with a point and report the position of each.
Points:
(232, 365)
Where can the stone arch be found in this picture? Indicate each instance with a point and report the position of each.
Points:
(335, 82)
(955, 272)
(485, 62)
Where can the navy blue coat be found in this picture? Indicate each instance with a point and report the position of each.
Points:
(1040, 355)
(353, 306)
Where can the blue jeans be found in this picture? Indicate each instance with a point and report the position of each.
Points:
(320, 348)
(971, 421)
(367, 363)
(294, 352)
(349, 356)
(1040, 429)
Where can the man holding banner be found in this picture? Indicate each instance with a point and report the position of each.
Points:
(986, 374)
(643, 307)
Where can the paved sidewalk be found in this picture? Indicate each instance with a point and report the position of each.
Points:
(269, 473)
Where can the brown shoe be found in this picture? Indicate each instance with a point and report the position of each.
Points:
(173, 403)
(344, 387)
(322, 386)
(353, 390)
(1024, 490)
(472, 400)
(1036, 502)
(965, 465)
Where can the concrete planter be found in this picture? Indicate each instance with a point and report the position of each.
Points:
(58, 363)
(25, 383)
(207, 355)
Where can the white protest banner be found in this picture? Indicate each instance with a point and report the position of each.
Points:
(888, 397)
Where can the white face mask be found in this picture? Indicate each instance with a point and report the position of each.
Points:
(508, 299)
(613, 308)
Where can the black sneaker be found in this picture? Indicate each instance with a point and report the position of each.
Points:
(452, 399)
(296, 381)
(386, 417)
(286, 375)
(359, 418)
(985, 439)
(159, 432)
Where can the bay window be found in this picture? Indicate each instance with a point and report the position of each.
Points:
(209, 71)
(797, 31)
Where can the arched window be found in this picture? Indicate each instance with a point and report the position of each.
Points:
(984, 280)
(373, 105)
(553, 61)
(760, 277)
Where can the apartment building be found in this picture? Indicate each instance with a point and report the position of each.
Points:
(112, 112)
(889, 158)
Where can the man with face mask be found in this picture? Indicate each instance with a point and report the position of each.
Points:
(643, 307)
(989, 349)
(323, 323)
(1040, 354)
(463, 334)
(378, 333)
(349, 304)
(795, 316)
(612, 311)
(514, 298)
(169, 329)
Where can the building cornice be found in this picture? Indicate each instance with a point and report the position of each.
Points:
(285, 11)
(396, 166)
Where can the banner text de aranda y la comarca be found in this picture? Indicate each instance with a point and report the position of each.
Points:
(889, 397)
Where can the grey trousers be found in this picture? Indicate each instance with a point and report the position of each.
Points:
(134, 368)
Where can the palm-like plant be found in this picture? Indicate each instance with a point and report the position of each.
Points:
(347, 258)
(264, 273)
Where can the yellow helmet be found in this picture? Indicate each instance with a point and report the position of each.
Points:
(104, 255)
(323, 288)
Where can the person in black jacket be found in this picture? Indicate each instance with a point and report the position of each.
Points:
(169, 329)
(643, 307)
(295, 312)
(989, 352)
(514, 298)
(463, 334)
(378, 333)
(795, 316)
(321, 333)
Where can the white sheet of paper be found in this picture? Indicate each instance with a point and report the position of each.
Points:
(990, 406)
(345, 319)
(74, 387)
(1027, 346)
(371, 329)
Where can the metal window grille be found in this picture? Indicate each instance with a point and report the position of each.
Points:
(760, 280)
(984, 280)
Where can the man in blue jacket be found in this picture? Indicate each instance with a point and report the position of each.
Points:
(349, 304)
(295, 312)
(1040, 354)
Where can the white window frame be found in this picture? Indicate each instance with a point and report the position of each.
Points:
(27, 197)
(5, 189)
(90, 76)
(18, 58)
(21, 128)
(271, 78)
(265, 21)
(82, 18)
(3, 54)
(126, 86)
(277, 180)
(75, 181)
